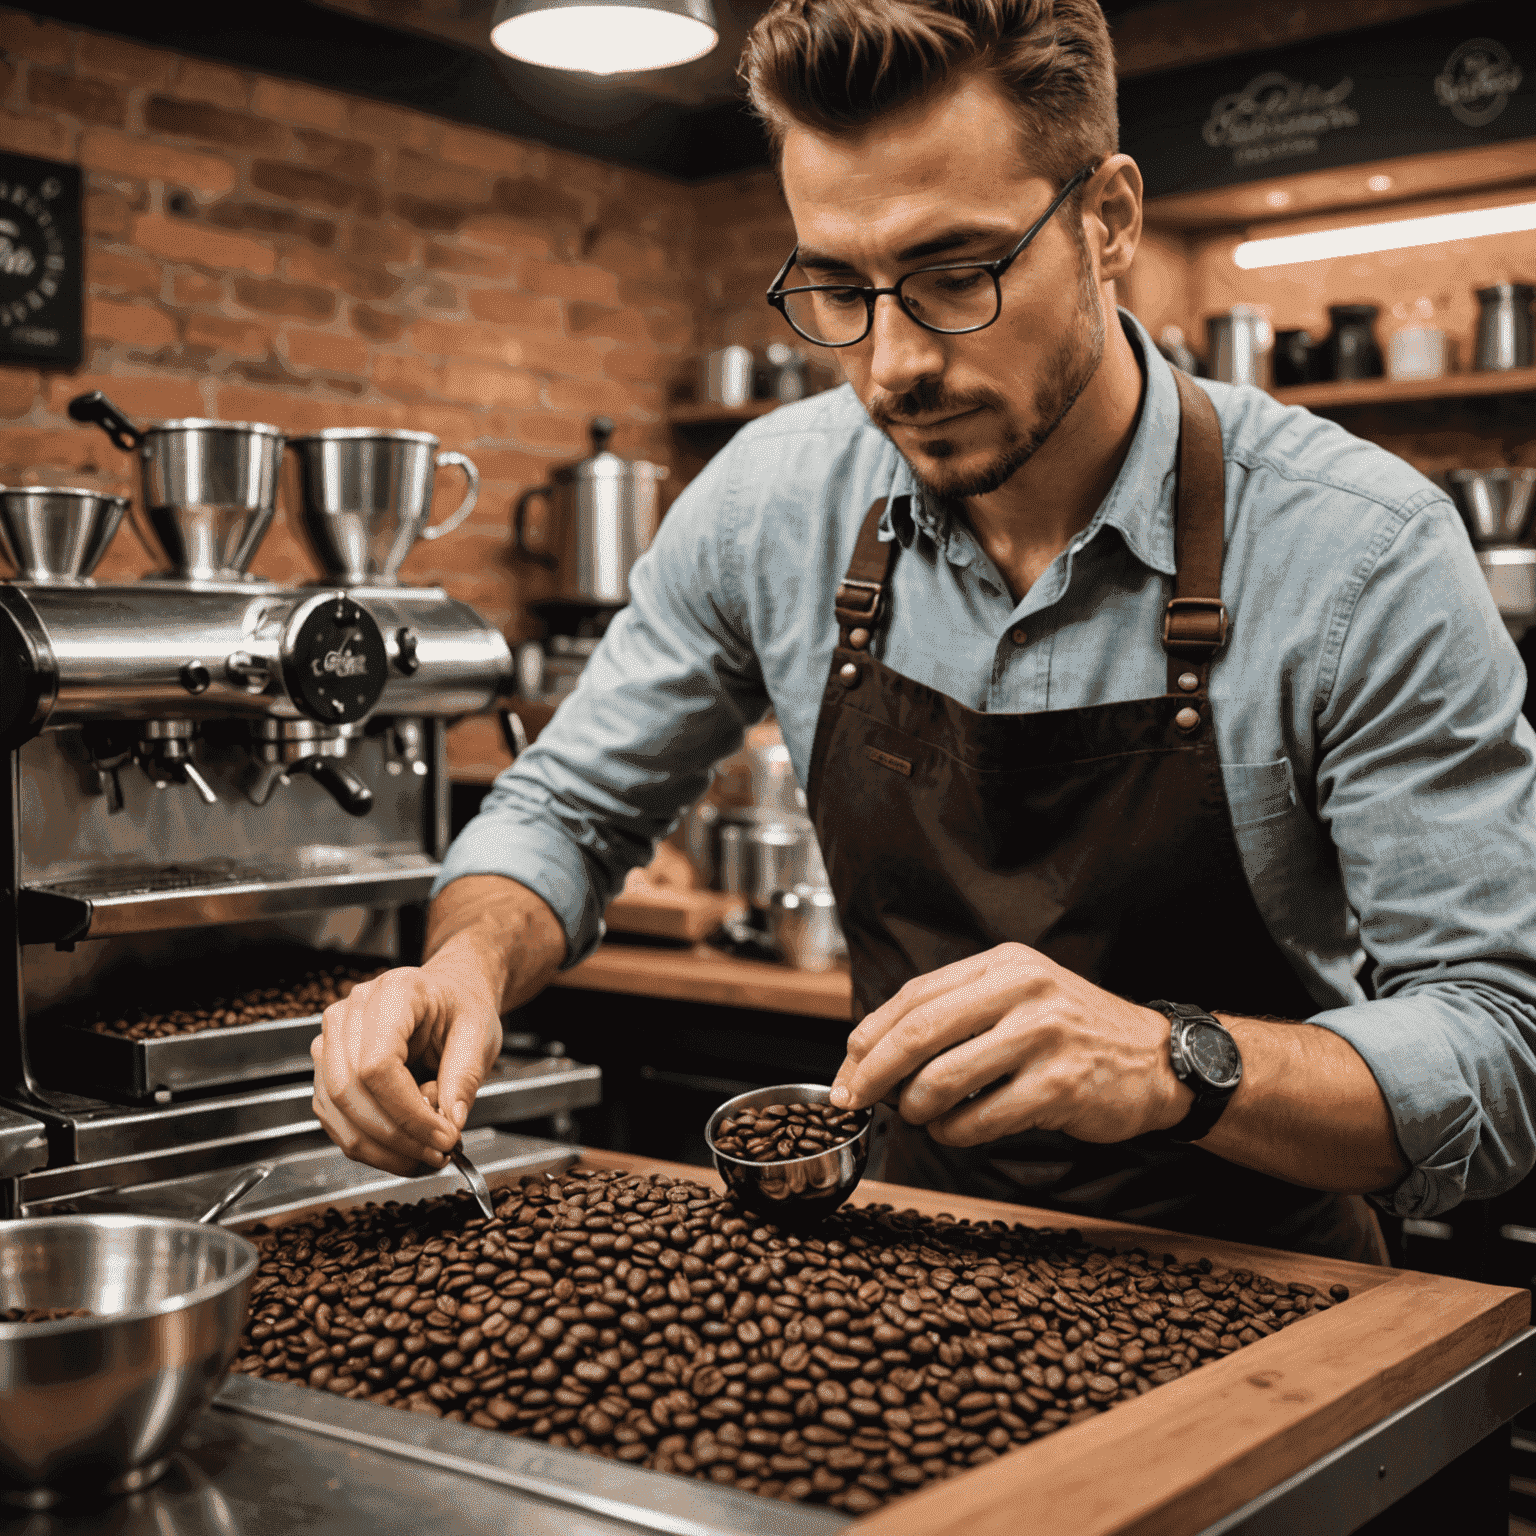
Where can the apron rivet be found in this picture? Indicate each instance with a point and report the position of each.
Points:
(859, 639)
(848, 674)
(1188, 681)
(1187, 718)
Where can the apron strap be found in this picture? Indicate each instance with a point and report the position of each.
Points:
(1196, 622)
(860, 600)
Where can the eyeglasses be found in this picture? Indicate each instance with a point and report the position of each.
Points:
(953, 299)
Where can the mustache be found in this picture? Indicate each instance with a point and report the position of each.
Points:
(927, 397)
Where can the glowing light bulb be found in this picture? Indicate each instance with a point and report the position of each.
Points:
(604, 38)
(1393, 235)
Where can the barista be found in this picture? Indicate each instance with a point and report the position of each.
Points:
(1164, 746)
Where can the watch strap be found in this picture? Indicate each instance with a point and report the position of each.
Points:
(1210, 1102)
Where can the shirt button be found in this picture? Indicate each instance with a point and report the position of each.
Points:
(1019, 637)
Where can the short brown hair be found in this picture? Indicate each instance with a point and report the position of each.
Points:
(835, 65)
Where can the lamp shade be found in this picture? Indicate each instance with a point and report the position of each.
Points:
(604, 37)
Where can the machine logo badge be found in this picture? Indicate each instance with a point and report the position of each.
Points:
(342, 663)
(1276, 118)
(1477, 81)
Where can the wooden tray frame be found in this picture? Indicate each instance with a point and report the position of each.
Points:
(1182, 1457)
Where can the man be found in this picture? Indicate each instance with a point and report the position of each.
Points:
(1117, 700)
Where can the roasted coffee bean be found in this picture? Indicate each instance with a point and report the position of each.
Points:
(654, 1322)
(40, 1314)
(779, 1132)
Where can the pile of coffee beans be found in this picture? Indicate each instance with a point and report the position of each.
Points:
(312, 992)
(653, 1321)
(40, 1314)
(781, 1131)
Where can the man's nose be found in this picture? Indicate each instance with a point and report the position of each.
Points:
(902, 353)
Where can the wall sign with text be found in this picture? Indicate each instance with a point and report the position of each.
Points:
(40, 262)
(1451, 79)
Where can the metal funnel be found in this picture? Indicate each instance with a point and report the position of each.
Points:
(1495, 503)
(57, 534)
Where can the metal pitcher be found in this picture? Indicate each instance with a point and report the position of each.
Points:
(1504, 326)
(366, 496)
(209, 487)
(1239, 344)
(57, 534)
(603, 516)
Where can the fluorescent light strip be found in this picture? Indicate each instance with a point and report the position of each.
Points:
(1399, 234)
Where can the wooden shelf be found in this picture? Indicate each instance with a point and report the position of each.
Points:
(1453, 386)
(710, 413)
(704, 975)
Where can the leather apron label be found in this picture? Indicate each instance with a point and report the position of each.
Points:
(889, 760)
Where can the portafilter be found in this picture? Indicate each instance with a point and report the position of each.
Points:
(209, 487)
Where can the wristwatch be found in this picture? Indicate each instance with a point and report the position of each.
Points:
(1205, 1057)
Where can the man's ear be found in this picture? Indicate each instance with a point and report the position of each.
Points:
(1112, 215)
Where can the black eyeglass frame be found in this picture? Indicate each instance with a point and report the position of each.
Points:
(777, 296)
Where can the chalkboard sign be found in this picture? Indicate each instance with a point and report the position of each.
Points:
(40, 262)
(1452, 79)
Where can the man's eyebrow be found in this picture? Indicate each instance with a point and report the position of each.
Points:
(939, 245)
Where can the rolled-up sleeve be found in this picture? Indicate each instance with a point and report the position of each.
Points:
(1425, 780)
(670, 691)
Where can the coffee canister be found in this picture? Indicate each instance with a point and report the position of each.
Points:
(1504, 326)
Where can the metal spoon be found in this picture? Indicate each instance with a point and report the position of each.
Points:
(236, 1191)
(475, 1179)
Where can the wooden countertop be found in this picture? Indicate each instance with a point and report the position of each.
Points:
(1193, 1451)
(703, 975)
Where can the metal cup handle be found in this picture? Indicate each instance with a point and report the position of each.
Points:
(520, 527)
(471, 496)
(147, 542)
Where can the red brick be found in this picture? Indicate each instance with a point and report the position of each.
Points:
(122, 154)
(428, 176)
(633, 364)
(600, 321)
(311, 188)
(217, 84)
(92, 101)
(607, 397)
(286, 102)
(271, 220)
(297, 413)
(544, 429)
(346, 157)
(213, 125)
(108, 216)
(559, 355)
(116, 59)
(239, 338)
(508, 466)
(396, 126)
(506, 234)
(43, 42)
(409, 377)
(362, 280)
(36, 136)
(451, 258)
(275, 297)
(446, 338)
(476, 752)
(326, 350)
(378, 324)
(675, 328)
(381, 244)
(476, 384)
(177, 240)
(137, 325)
(431, 215)
(523, 310)
(570, 282)
(25, 451)
(113, 272)
(195, 288)
(143, 398)
(20, 389)
(537, 202)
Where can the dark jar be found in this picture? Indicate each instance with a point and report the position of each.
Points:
(1351, 349)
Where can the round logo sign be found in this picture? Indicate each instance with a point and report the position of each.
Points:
(1477, 81)
(32, 261)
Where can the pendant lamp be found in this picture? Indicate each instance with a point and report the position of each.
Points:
(604, 37)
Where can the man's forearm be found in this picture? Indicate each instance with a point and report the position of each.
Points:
(492, 932)
(1308, 1110)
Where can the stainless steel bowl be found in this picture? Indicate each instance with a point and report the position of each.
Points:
(97, 1404)
(798, 1191)
(57, 534)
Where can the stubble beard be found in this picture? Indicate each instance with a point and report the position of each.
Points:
(1063, 378)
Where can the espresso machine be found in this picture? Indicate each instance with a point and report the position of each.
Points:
(205, 769)
(601, 515)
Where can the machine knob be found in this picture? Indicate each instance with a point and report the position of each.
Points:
(248, 672)
(406, 644)
(195, 677)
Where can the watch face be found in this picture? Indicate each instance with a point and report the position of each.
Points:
(1213, 1054)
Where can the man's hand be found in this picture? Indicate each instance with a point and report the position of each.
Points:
(1053, 1051)
(491, 944)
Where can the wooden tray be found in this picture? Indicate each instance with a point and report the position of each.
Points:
(663, 913)
(1183, 1456)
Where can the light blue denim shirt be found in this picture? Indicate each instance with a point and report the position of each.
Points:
(1367, 713)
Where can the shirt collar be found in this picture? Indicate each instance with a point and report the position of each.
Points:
(1139, 505)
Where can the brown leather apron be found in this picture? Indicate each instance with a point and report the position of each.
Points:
(1099, 836)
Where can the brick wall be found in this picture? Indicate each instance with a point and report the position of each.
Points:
(261, 250)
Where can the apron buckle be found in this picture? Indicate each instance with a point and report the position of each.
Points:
(1195, 626)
